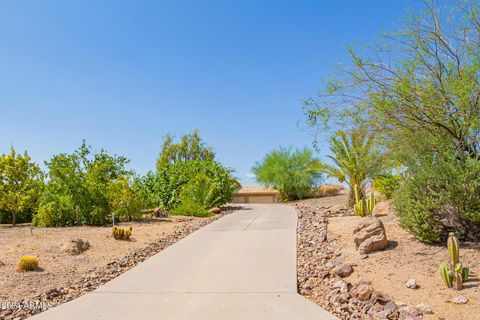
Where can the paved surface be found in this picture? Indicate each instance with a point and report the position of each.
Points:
(242, 266)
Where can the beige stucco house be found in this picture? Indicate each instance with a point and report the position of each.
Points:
(256, 194)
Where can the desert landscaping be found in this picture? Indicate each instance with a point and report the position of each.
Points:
(386, 272)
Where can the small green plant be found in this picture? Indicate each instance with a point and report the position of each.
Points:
(121, 234)
(188, 207)
(362, 206)
(453, 274)
(27, 263)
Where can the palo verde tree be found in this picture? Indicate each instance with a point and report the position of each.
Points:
(190, 147)
(21, 183)
(418, 91)
(292, 172)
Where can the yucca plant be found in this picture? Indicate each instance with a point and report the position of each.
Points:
(356, 160)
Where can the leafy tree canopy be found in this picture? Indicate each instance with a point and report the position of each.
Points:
(21, 183)
(190, 147)
(293, 172)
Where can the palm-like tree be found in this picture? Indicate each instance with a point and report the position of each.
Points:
(356, 160)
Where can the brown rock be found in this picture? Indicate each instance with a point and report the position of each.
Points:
(370, 236)
(382, 208)
(75, 246)
(363, 292)
(408, 313)
(343, 270)
(215, 210)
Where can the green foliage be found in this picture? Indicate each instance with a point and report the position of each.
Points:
(355, 159)
(121, 234)
(21, 184)
(202, 190)
(27, 263)
(82, 189)
(440, 195)
(172, 178)
(293, 173)
(124, 201)
(190, 147)
(453, 274)
(387, 184)
(418, 91)
(189, 207)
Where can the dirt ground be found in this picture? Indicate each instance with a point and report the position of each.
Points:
(59, 269)
(407, 258)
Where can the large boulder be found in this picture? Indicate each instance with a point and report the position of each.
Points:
(370, 236)
(75, 246)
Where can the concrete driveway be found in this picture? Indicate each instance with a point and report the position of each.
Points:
(242, 266)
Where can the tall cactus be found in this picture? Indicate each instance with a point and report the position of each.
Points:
(454, 274)
(371, 203)
(363, 207)
(453, 249)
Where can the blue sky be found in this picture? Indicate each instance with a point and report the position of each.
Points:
(122, 74)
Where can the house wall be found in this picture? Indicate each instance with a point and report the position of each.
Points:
(255, 198)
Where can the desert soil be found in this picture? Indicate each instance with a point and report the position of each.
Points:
(59, 269)
(407, 258)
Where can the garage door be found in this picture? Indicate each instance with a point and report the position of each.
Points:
(260, 199)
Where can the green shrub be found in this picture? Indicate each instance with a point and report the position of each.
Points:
(292, 172)
(77, 191)
(387, 184)
(190, 208)
(439, 196)
(172, 179)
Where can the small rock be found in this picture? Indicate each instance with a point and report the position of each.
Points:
(343, 270)
(75, 246)
(382, 208)
(460, 300)
(363, 256)
(411, 284)
(1, 263)
(363, 292)
(215, 210)
(424, 308)
(338, 284)
(408, 313)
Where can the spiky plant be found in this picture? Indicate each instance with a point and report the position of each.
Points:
(121, 234)
(27, 263)
(454, 274)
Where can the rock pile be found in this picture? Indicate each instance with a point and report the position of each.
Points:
(320, 268)
(98, 276)
(75, 246)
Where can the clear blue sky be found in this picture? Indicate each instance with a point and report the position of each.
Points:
(121, 74)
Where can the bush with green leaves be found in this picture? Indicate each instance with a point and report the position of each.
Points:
(295, 173)
(190, 208)
(171, 180)
(21, 185)
(85, 188)
(387, 184)
(441, 195)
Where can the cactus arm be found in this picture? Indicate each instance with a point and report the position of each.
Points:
(446, 274)
(453, 249)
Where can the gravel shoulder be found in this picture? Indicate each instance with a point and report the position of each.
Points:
(387, 271)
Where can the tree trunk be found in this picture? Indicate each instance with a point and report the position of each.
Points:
(14, 218)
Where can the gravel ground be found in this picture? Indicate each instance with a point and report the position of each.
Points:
(376, 288)
(62, 277)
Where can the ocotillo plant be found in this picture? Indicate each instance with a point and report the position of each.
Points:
(363, 207)
(454, 274)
